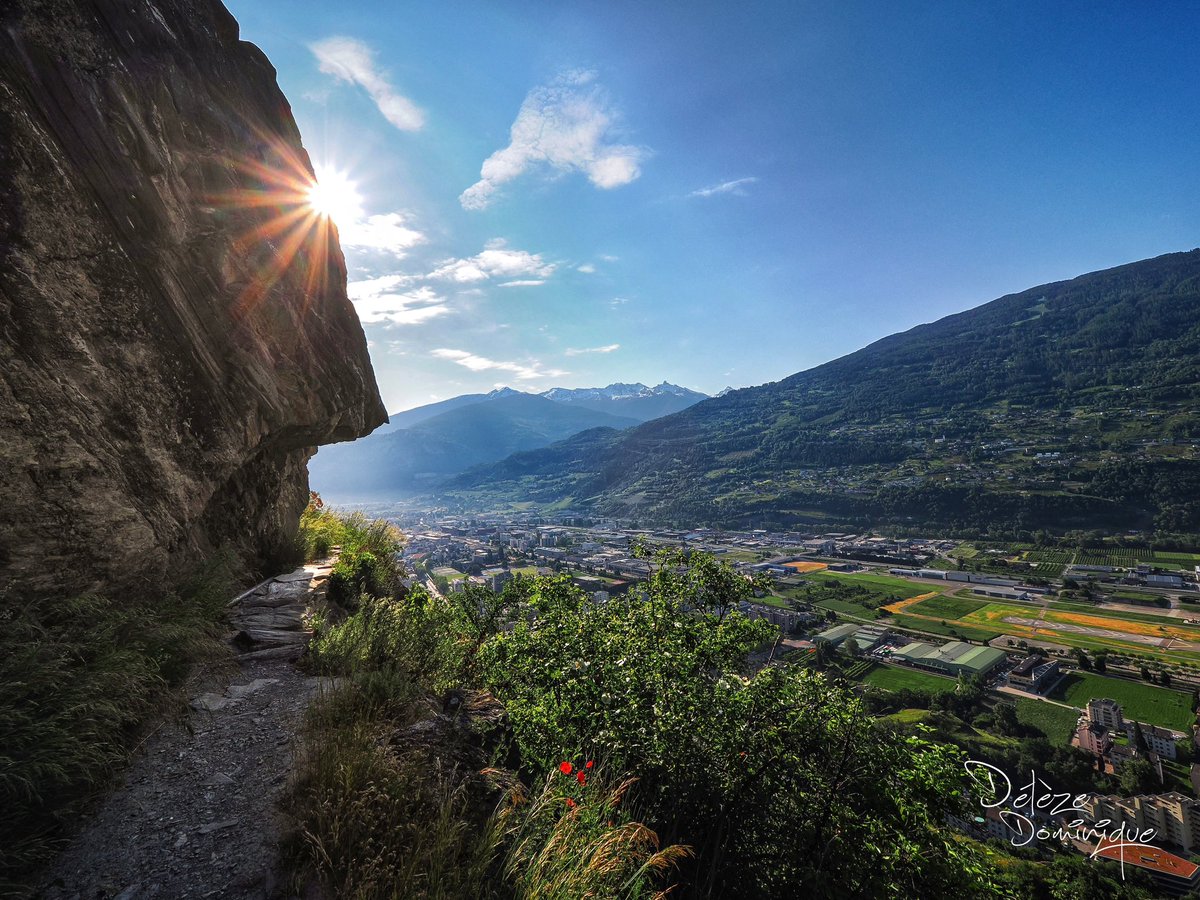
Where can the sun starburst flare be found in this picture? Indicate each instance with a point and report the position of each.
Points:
(292, 211)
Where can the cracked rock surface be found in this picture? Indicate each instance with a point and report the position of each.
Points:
(170, 351)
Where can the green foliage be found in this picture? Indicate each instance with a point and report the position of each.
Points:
(367, 563)
(379, 823)
(728, 762)
(416, 637)
(79, 677)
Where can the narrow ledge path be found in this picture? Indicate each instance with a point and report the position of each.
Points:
(196, 812)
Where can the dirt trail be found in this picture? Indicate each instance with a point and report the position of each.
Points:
(196, 814)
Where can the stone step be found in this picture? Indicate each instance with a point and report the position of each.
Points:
(294, 651)
(269, 637)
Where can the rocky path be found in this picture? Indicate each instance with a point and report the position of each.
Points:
(196, 815)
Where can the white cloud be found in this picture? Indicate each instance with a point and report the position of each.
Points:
(522, 371)
(607, 348)
(565, 126)
(388, 232)
(725, 187)
(525, 282)
(618, 301)
(347, 59)
(497, 261)
(377, 300)
(586, 269)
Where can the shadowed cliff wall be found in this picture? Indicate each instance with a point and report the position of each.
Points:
(175, 336)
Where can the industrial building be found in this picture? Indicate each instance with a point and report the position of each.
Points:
(954, 658)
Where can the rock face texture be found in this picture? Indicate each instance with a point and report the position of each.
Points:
(175, 336)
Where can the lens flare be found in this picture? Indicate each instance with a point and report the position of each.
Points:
(285, 214)
(334, 196)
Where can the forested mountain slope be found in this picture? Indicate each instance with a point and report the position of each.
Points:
(952, 424)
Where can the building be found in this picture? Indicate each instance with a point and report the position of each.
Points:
(1094, 738)
(1174, 817)
(1173, 874)
(955, 658)
(837, 633)
(871, 636)
(1000, 592)
(1107, 713)
(1035, 673)
(1158, 740)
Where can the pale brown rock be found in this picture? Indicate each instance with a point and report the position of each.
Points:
(159, 398)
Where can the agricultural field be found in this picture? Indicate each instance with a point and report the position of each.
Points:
(951, 629)
(806, 568)
(893, 678)
(1056, 722)
(1113, 629)
(943, 607)
(849, 608)
(1140, 701)
(887, 584)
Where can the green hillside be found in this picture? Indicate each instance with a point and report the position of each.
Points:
(954, 424)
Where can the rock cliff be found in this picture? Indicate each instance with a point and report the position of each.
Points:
(175, 336)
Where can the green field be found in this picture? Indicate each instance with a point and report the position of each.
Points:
(886, 583)
(949, 629)
(946, 607)
(1056, 722)
(850, 609)
(892, 678)
(1140, 701)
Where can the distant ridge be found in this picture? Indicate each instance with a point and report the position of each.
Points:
(939, 426)
(421, 447)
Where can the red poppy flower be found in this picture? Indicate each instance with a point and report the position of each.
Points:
(590, 763)
(566, 768)
(581, 778)
(570, 803)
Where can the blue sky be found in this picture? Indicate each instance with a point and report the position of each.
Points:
(715, 193)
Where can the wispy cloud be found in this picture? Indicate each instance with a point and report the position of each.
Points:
(565, 126)
(607, 348)
(523, 282)
(388, 232)
(587, 269)
(347, 59)
(525, 371)
(496, 261)
(382, 300)
(736, 187)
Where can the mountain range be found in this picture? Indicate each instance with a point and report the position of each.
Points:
(419, 448)
(1071, 405)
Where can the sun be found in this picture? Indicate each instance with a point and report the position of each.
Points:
(334, 196)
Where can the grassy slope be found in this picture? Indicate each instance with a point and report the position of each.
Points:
(1143, 702)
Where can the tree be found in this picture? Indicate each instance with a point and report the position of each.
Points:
(1082, 658)
(1139, 739)
(1100, 661)
(1005, 715)
(1137, 776)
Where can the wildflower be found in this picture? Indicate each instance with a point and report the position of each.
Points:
(570, 803)
(566, 768)
(581, 777)
(590, 763)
